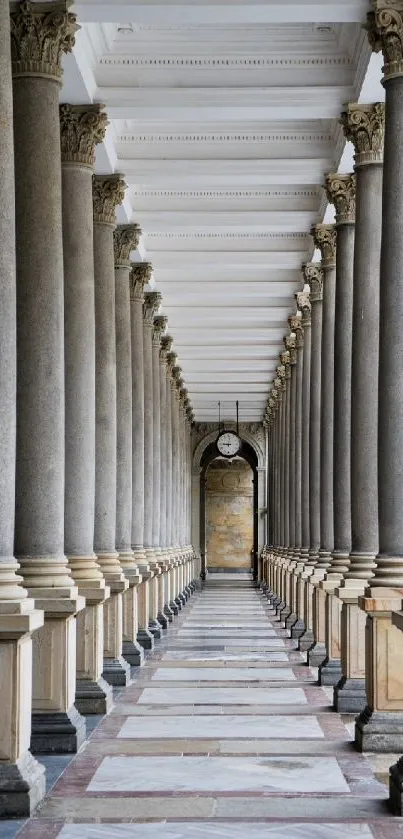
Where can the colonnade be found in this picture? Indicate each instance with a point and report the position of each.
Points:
(333, 565)
(95, 422)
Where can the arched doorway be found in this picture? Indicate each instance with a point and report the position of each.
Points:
(208, 521)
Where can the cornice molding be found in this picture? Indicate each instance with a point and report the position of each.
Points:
(213, 235)
(230, 137)
(196, 62)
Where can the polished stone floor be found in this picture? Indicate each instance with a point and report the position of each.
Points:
(224, 733)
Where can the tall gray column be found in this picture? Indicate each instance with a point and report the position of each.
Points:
(283, 408)
(159, 327)
(290, 344)
(324, 236)
(364, 126)
(167, 342)
(296, 350)
(166, 431)
(22, 783)
(82, 126)
(38, 40)
(108, 192)
(139, 277)
(152, 301)
(125, 239)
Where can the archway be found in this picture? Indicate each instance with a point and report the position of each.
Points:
(248, 454)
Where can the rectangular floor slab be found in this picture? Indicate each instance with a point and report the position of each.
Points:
(222, 674)
(222, 696)
(184, 655)
(218, 774)
(222, 830)
(236, 641)
(221, 726)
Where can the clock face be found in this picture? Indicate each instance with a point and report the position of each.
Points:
(228, 444)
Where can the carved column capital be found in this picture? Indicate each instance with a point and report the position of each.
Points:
(297, 328)
(325, 237)
(303, 299)
(385, 32)
(125, 238)
(313, 274)
(159, 326)
(107, 192)
(290, 343)
(81, 128)
(140, 276)
(364, 126)
(340, 191)
(166, 347)
(40, 34)
(152, 302)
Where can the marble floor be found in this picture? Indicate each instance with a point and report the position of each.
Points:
(224, 733)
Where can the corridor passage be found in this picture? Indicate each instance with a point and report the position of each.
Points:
(223, 733)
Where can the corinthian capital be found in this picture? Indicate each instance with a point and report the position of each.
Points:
(172, 359)
(140, 276)
(385, 32)
(81, 128)
(290, 343)
(125, 238)
(303, 297)
(364, 126)
(152, 302)
(107, 192)
(340, 191)
(40, 34)
(297, 328)
(166, 346)
(313, 274)
(159, 327)
(325, 236)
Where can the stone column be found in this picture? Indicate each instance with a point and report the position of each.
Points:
(139, 277)
(82, 126)
(126, 238)
(166, 344)
(340, 190)
(177, 377)
(22, 783)
(304, 306)
(289, 361)
(159, 327)
(38, 40)
(152, 301)
(380, 725)
(364, 126)
(297, 330)
(108, 192)
(314, 276)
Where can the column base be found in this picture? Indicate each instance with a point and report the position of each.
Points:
(290, 620)
(169, 613)
(163, 620)
(145, 639)
(57, 732)
(306, 640)
(317, 655)
(396, 788)
(116, 672)
(133, 653)
(330, 672)
(178, 602)
(93, 697)
(174, 607)
(182, 598)
(349, 696)
(156, 629)
(298, 629)
(22, 787)
(285, 613)
(379, 731)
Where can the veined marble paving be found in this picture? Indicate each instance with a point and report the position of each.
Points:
(218, 774)
(222, 674)
(222, 696)
(201, 746)
(229, 725)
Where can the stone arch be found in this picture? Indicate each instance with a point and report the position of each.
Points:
(211, 436)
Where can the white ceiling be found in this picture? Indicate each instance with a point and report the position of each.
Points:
(224, 120)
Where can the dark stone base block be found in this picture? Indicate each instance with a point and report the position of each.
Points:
(116, 672)
(57, 732)
(285, 613)
(22, 787)
(176, 604)
(306, 640)
(279, 607)
(330, 672)
(379, 731)
(317, 655)
(298, 629)
(93, 697)
(349, 696)
(145, 639)
(180, 601)
(290, 620)
(396, 788)
(169, 613)
(156, 629)
(133, 652)
(182, 598)
(162, 620)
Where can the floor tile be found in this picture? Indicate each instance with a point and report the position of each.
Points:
(221, 726)
(209, 830)
(222, 674)
(222, 696)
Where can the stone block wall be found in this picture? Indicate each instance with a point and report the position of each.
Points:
(229, 515)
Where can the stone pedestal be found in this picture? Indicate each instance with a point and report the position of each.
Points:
(116, 669)
(350, 694)
(132, 650)
(144, 636)
(330, 670)
(93, 694)
(379, 728)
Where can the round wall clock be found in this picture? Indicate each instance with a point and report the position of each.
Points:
(228, 443)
